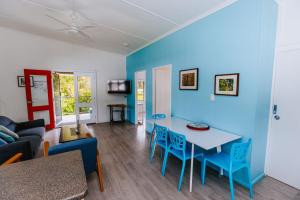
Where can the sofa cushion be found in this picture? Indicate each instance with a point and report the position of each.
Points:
(34, 140)
(6, 138)
(2, 142)
(38, 131)
(9, 150)
(8, 132)
(8, 123)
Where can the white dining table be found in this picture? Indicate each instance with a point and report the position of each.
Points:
(210, 139)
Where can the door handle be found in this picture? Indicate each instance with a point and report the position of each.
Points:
(275, 109)
(29, 102)
(275, 115)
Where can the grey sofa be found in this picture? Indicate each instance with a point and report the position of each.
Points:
(30, 133)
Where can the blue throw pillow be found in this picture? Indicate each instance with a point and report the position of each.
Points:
(2, 142)
(6, 137)
(5, 130)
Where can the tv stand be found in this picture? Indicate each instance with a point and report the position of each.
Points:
(117, 108)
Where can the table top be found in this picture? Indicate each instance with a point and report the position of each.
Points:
(55, 177)
(207, 140)
(68, 133)
(117, 105)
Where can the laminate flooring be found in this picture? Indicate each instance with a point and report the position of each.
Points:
(129, 175)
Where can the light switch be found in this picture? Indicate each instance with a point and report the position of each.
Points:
(212, 97)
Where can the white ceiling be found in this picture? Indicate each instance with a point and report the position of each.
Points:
(135, 22)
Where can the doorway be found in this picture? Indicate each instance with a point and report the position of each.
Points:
(282, 162)
(75, 97)
(140, 97)
(162, 82)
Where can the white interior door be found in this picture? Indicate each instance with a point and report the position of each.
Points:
(85, 97)
(284, 140)
(162, 90)
(283, 160)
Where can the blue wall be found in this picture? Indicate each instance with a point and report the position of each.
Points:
(237, 39)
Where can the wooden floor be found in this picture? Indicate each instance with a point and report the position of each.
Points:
(129, 175)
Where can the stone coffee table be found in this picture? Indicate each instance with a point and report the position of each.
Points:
(55, 177)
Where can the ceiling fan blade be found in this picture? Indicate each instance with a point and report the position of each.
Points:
(84, 35)
(86, 27)
(63, 29)
(58, 20)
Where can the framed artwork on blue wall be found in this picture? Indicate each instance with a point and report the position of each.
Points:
(188, 79)
(227, 84)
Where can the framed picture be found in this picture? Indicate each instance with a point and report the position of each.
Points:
(188, 79)
(227, 84)
(21, 81)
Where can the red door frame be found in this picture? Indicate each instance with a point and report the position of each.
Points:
(31, 109)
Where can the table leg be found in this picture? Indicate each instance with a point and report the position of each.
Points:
(192, 168)
(111, 114)
(219, 149)
(123, 114)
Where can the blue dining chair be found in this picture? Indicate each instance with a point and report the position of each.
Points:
(160, 139)
(236, 160)
(179, 148)
(155, 117)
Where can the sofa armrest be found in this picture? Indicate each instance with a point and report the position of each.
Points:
(88, 148)
(9, 150)
(85, 145)
(30, 124)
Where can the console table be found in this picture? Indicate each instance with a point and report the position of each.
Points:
(117, 108)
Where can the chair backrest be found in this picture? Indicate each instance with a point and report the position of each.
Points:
(177, 143)
(161, 133)
(239, 151)
(88, 149)
(159, 116)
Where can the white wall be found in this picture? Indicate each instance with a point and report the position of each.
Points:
(19, 50)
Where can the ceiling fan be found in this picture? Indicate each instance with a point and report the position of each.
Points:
(73, 27)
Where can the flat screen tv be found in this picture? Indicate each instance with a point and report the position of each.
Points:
(119, 86)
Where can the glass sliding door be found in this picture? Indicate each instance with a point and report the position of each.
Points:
(67, 93)
(85, 97)
(57, 98)
(75, 97)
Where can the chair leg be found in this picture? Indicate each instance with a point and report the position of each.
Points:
(181, 175)
(151, 140)
(164, 166)
(203, 171)
(250, 183)
(161, 152)
(153, 151)
(100, 175)
(46, 148)
(231, 185)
